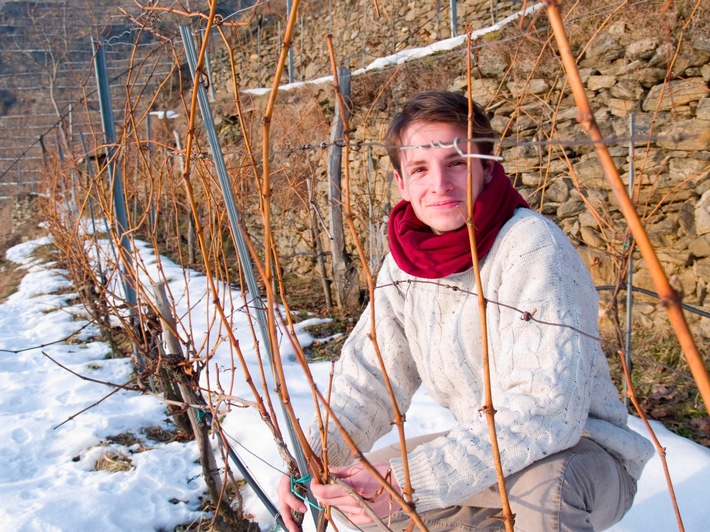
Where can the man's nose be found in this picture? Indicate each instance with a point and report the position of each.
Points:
(439, 177)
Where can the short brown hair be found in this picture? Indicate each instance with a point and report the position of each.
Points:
(438, 106)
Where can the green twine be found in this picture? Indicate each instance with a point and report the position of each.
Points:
(303, 480)
(200, 414)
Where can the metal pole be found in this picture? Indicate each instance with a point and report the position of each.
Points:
(371, 209)
(630, 268)
(242, 249)
(438, 20)
(394, 27)
(300, 46)
(454, 17)
(364, 34)
(119, 200)
(290, 45)
(151, 215)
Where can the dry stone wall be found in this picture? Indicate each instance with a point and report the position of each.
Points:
(652, 71)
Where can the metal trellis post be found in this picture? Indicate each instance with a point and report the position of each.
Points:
(114, 172)
(290, 45)
(151, 216)
(233, 215)
(119, 201)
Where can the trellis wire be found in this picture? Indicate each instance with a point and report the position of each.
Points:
(503, 143)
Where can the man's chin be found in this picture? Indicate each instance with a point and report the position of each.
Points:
(442, 228)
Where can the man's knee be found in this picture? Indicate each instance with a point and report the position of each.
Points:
(581, 488)
(595, 488)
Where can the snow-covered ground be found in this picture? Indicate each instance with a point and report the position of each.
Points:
(47, 478)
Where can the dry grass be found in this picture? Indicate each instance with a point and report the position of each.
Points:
(5, 221)
(10, 277)
(113, 462)
(662, 382)
(10, 273)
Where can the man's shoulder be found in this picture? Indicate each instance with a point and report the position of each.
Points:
(527, 227)
(530, 236)
(528, 219)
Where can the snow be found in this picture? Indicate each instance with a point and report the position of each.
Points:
(48, 452)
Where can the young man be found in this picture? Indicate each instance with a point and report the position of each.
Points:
(570, 461)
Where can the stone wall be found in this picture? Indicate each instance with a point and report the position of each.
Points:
(24, 210)
(636, 63)
(359, 34)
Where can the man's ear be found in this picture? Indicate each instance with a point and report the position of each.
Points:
(487, 170)
(400, 185)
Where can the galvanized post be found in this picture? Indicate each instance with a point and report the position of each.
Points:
(114, 172)
(454, 17)
(233, 215)
(151, 214)
(290, 45)
(373, 264)
(630, 267)
(300, 46)
(119, 200)
(394, 30)
(364, 34)
(438, 20)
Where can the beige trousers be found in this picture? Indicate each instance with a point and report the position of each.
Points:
(583, 488)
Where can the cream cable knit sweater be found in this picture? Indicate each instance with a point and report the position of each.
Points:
(550, 383)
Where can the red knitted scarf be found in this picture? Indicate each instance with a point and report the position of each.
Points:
(421, 253)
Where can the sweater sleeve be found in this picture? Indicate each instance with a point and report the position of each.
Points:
(541, 374)
(360, 396)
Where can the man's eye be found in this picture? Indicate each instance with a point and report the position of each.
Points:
(417, 170)
(458, 163)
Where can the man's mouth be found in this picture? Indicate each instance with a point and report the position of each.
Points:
(444, 204)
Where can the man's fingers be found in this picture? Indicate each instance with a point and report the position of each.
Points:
(288, 503)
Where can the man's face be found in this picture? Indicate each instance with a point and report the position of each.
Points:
(434, 180)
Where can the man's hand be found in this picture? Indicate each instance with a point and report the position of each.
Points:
(289, 503)
(364, 484)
